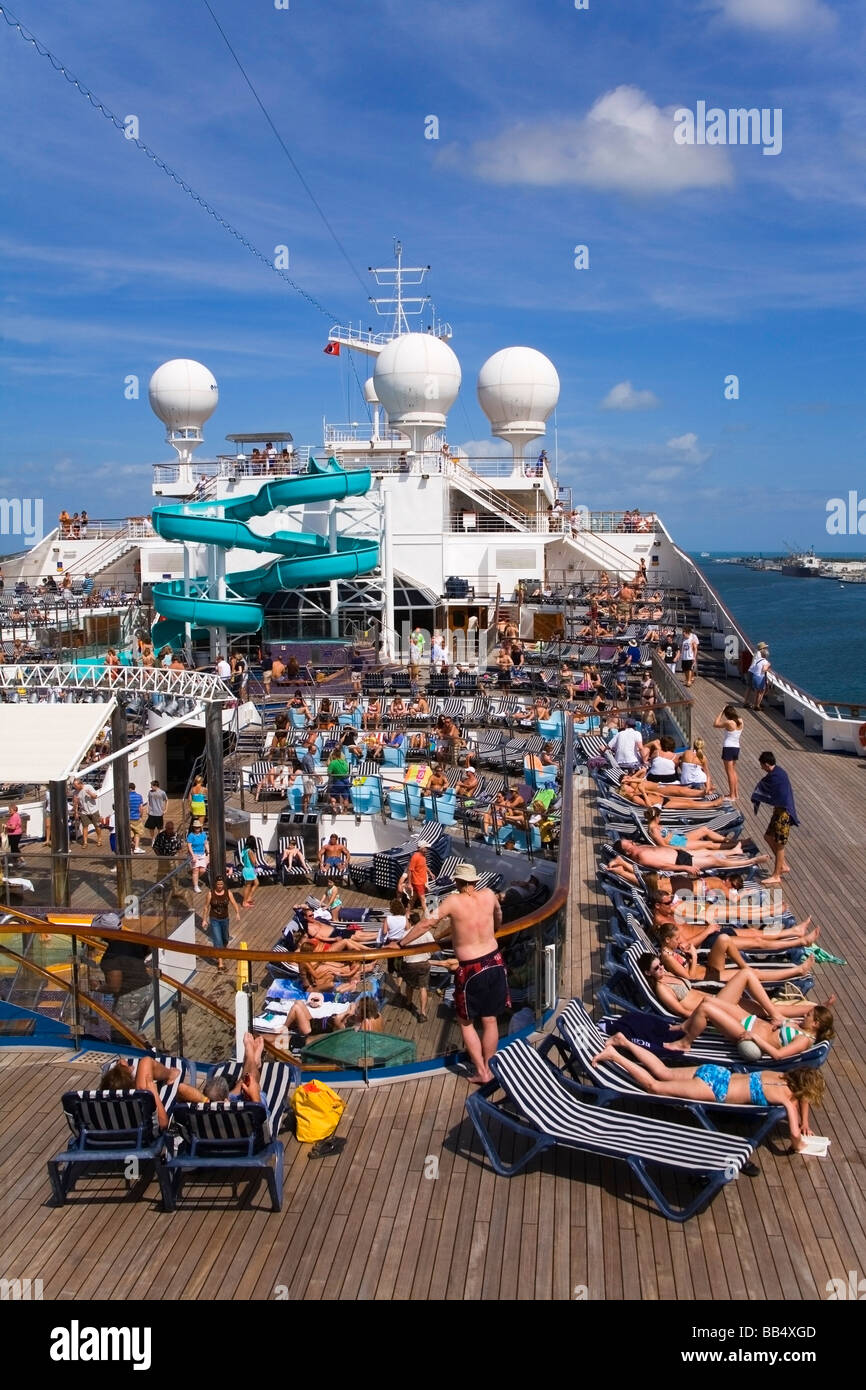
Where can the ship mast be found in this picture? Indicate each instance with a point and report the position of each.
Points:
(397, 305)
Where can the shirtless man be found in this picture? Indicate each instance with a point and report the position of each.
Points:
(470, 918)
(690, 862)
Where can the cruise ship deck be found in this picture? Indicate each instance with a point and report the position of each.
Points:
(410, 1209)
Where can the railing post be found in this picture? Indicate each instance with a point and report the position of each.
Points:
(157, 1015)
(76, 1027)
(59, 843)
(123, 839)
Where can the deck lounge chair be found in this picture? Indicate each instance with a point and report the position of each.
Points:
(579, 1040)
(112, 1127)
(628, 989)
(233, 1135)
(552, 1111)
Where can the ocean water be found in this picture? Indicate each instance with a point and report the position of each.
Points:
(815, 629)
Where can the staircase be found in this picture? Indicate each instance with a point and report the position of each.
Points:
(106, 554)
(489, 498)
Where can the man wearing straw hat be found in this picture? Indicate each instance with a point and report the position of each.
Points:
(470, 918)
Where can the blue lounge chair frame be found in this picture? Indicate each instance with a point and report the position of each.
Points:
(553, 1112)
(233, 1135)
(113, 1128)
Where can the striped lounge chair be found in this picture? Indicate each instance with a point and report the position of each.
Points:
(230, 1136)
(552, 1111)
(113, 1127)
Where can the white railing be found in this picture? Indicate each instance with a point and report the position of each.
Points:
(624, 523)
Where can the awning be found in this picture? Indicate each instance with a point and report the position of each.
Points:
(426, 595)
(270, 437)
(45, 743)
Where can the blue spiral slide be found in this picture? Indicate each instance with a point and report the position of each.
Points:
(303, 557)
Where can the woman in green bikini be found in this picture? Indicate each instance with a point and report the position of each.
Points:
(777, 1034)
(795, 1090)
(725, 1010)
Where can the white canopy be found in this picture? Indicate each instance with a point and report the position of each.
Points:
(46, 742)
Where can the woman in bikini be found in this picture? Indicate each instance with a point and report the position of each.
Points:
(681, 959)
(669, 797)
(698, 921)
(698, 838)
(797, 1091)
(774, 1034)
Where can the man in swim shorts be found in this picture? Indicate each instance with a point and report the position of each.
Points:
(470, 918)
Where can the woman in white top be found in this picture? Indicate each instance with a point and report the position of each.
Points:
(694, 768)
(662, 766)
(758, 677)
(732, 724)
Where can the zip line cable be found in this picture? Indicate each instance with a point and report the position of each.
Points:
(119, 125)
(286, 151)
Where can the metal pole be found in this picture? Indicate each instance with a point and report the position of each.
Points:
(388, 577)
(157, 1017)
(76, 1025)
(59, 843)
(215, 788)
(123, 839)
(334, 586)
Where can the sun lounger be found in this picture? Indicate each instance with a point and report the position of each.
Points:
(113, 1127)
(552, 1112)
(230, 1136)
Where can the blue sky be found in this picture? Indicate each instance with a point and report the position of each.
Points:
(555, 129)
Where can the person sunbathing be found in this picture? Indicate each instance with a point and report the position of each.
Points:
(437, 783)
(795, 1090)
(692, 862)
(469, 782)
(275, 781)
(373, 714)
(292, 858)
(331, 974)
(148, 1073)
(419, 706)
(217, 1089)
(699, 923)
(698, 838)
(680, 958)
(668, 796)
(774, 1034)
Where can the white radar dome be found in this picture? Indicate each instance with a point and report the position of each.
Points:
(370, 392)
(183, 394)
(518, 388)
(417, 378)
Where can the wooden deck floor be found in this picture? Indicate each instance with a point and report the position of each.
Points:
(409, 1211)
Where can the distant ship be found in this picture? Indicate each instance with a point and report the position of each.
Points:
(806, 565)
(705, 555)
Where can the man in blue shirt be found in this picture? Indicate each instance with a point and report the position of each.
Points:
(633, 654)
(136, 801)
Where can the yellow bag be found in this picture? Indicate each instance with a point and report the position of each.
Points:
(317, 1111)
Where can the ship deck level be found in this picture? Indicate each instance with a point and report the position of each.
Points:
(369, 1224)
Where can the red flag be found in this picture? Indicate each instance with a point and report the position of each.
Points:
(333, 349)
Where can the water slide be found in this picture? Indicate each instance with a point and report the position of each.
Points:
(302, 557)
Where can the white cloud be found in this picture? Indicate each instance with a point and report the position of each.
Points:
(623, 396)
(624, 143)
(664, 475)
(779, 16)
(688, 448)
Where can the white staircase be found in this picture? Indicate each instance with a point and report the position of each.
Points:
(488, 497)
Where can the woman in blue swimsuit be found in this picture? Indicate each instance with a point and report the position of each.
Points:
(698, 838)
(795, 1090)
